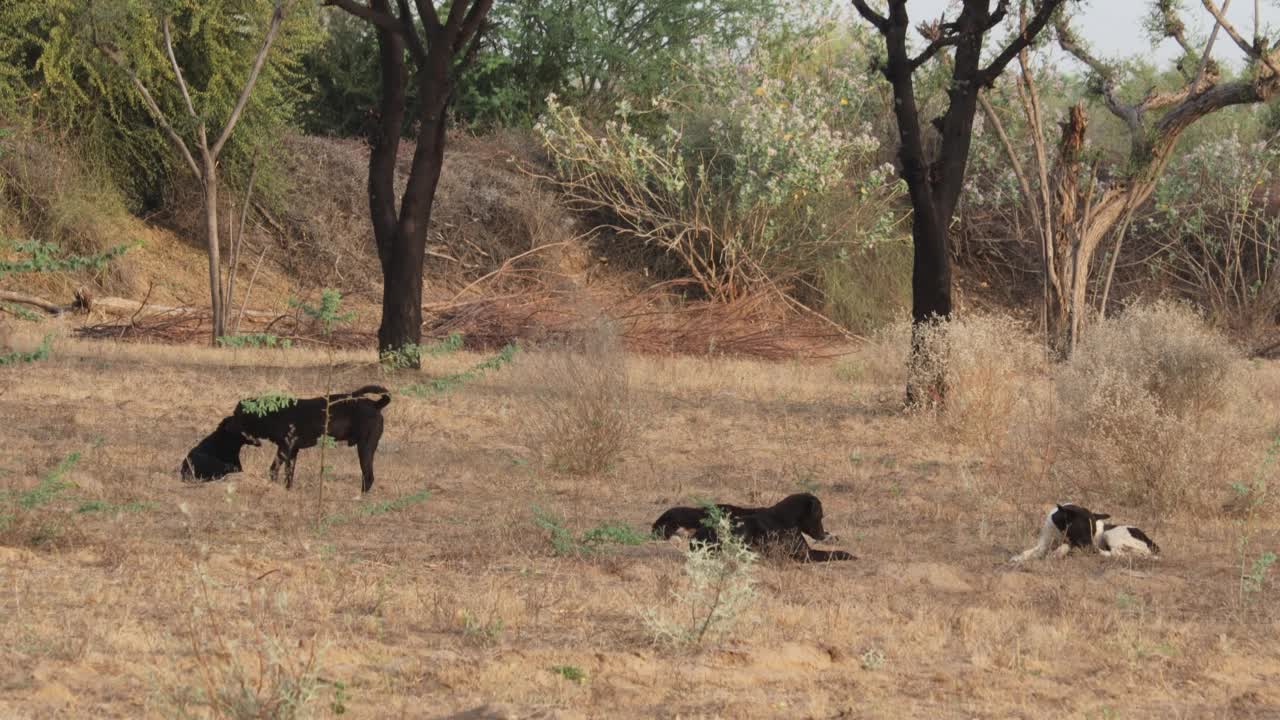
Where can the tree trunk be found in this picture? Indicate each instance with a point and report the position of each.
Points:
(211, 239)
(402, 262)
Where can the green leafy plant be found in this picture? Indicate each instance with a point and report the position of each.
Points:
(381, 507)
(20, 312)
(268, 402)
(1253, 569)
(40, 353)
(410, 356)
(718, 589)
(51, 485)
(103, 506)
(565, 543)
(449, 383)
(338, 706)
(1252, 581)
(45, 257)
(327, 312)
(571, 673)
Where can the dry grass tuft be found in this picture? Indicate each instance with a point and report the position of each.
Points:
(252, 673)
(584, 417)
(988, 362)
(47, 193)
(1151, 411)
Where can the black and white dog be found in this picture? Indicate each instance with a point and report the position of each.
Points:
(1073, 526)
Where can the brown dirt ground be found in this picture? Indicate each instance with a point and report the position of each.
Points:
(456, 606)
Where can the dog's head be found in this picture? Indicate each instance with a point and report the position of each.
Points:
(1078, 523)
(218, 454)
(803, 511)
(675, 520)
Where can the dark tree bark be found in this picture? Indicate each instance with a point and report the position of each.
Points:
(934, 186)
(439, 51)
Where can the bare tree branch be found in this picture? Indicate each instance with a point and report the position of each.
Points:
(115, 57)
(410, 32)
(880, 22)
(471, 26)
(938, 39)
(1258, 51)
(277, 15)
(1025, 36)
(177, 71)
(1206, 59)
(1225, 24)
(1106, 76)
(381, 19)
(430, 19)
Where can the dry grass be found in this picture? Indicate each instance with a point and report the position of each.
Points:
(1154, 408)
(583, 416)
(455, 603)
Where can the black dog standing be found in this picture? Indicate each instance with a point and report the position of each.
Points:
(353, 418)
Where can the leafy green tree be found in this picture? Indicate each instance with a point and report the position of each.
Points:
(591, 52)
(588, 52)
(53, 73)
(197, 135)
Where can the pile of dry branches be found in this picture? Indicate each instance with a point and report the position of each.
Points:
(655, 321)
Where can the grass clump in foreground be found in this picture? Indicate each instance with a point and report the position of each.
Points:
(719, 588)
(264, 671)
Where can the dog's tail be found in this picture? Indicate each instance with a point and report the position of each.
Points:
(375, 390)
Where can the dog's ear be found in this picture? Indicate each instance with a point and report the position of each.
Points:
(1100, 516)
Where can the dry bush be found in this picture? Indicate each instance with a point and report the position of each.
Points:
(486, 209)
(48, 193)
(266, 671)
(1151, 411)
(988, 361)
(583, 417)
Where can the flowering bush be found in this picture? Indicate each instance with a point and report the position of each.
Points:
(1210, 215)
(737, 181)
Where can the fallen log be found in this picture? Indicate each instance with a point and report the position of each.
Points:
(123, 307)
(33, 301)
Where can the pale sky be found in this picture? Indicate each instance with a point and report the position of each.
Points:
(1113, 28)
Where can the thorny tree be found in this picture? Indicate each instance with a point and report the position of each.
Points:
(439, 51)
(206, 168)
(934, 185)
(1087, 215)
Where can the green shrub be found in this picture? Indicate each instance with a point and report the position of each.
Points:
(718, 589)
(765, 176)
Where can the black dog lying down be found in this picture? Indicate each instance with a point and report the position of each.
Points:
(777, 530)
(353, 419)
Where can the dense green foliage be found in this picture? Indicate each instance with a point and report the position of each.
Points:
(53, 71)
(589, 52)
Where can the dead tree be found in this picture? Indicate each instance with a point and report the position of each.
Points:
(934, 185)
(206, 168)
(439, 52)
